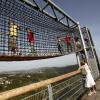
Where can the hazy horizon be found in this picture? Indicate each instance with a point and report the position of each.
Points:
(26, 65)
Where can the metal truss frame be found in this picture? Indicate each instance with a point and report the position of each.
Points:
(66, 20)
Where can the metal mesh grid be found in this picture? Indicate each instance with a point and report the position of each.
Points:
(45, 29)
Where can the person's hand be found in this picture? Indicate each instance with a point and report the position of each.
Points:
(81, 67)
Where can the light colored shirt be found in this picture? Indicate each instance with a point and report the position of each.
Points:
(87, 68)
(13, 29)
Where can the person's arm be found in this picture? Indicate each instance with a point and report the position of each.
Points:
(17, 26)
(81, 67)
(9, 26)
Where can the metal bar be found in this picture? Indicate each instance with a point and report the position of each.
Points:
(45, 7)
(91, 42)
(93, 49)
(35, 5)
(36, 95)
(50, 92)
(78, 59)
(61, 11)
(89, 33)
(75, 93)
(84, 46)
(67, 86)
(96, 59)
(62, 18)
(54, 12)
(68, 92)
(67, 21)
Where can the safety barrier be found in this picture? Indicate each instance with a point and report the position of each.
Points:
(34, 86)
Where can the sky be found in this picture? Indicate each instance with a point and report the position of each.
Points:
(26, 65)
(84, 11)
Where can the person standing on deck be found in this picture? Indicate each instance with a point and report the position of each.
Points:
(68, 42)
(31, 39)
(89, 83)
(78, 44)
(13, 36)
(59, 44)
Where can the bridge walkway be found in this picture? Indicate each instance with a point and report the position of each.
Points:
(93, 96)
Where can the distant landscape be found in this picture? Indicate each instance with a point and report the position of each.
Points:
(14, 79)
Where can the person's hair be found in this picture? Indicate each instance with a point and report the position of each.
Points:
(26, 29)
(85, 61)
(82, 63)
(58, 37)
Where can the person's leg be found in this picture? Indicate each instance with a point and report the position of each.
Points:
(59, 49)
(68, 47)
(33, 49)
(14, 48)
(9, 43)
(71, 49)
(12, 45)
(84, 80)
(29, 47)
(90, 91)
(94, 89)
(16, 44)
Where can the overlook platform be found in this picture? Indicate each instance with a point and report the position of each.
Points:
(93, 96)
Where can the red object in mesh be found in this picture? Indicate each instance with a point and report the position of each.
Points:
(31, 37)
(68, 39)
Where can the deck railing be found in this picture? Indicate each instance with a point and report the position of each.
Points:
(68, 86)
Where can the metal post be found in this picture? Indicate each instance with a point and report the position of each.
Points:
(78, 59)
(93, 48)
(84, 46)
(96, 58)
(50, 92)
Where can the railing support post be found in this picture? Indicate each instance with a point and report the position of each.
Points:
(50, 92)
(84, 46)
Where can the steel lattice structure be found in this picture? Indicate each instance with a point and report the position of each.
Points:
(46, 27)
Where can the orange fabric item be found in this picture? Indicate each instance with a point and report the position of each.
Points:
(31, 37)
(68, 39)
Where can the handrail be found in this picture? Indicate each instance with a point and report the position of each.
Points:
(21, 90)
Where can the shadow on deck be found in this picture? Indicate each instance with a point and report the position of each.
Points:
(93, 96)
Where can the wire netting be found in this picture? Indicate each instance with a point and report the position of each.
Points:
(16, 17)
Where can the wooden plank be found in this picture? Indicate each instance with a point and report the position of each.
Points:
(23, 58)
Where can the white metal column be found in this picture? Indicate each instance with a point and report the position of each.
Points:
(50, 92)
(84, 46)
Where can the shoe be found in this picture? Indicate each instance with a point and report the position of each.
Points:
(94, 92)
(90, 93)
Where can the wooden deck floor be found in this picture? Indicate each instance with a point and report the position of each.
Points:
(93, 96)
